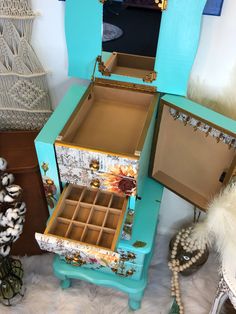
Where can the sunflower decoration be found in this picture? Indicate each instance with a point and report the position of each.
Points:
(122, 180)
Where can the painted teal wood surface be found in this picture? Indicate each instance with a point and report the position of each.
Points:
(202, 112)
(178, 43)
(44, 143)
(144, 161)
(146, 218)
(83, 27)
(46, 155)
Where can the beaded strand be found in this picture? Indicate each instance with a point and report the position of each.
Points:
(183, 239)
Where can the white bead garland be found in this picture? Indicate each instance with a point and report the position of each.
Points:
(183, 239)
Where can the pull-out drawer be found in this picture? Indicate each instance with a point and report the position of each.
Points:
(102, 180)
(123, 268)
(85, 222)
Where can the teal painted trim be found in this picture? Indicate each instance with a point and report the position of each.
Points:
(202, 112)
(177, 45)
(46, 155)
(83, 28)
(144, 161)
(121, 229)
(146, 218)
(61, 114)
(132, 200)
(44, 142)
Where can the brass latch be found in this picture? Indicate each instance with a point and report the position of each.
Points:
(161, 4)
(149, 78)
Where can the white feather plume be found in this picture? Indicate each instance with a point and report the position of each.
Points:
(219, 227)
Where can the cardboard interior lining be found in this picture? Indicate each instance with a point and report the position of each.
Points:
(188, 162)
(110, 119)
(130, 65)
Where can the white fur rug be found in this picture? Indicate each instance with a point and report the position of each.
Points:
(44, 295)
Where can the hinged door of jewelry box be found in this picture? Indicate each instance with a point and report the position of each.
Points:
(194, 149)
(85, 221)
(168, 71)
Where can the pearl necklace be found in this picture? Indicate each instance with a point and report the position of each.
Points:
(183, 240)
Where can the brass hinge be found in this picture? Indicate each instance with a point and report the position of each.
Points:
(149, 78)
(102, 68)
(125, 85)
(161, 4)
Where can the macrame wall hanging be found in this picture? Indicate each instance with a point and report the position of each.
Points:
(24, 96)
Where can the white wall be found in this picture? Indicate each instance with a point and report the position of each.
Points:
(216, 59)
(214, 65)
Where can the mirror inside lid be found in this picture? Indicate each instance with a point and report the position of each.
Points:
(195, 150)
(134, 45)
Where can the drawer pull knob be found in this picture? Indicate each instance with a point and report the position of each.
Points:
(94, 165)
(95, 183)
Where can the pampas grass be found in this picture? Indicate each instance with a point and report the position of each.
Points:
(219, 227)
(222, 100)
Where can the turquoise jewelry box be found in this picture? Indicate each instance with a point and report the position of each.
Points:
(99, 141)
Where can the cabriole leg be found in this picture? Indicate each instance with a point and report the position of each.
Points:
(135, 300)
(65, 283)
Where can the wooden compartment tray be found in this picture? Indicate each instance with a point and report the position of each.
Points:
(130, 65)
(103, 140)
(88, 216)
(109, 119)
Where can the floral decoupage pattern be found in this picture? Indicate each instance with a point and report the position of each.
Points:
(115, 174)
(69, 249)
(49, 187)
(76, 158)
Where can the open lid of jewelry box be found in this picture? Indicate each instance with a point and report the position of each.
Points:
(168, 71)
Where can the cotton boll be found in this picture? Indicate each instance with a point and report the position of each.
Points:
(14, 191)
(21, 208)
(14, 232)
(7, 199)
(10, 214)
(7, 179)
(3, 164)
(4, 221)
(6, 238)
(15, 238)
(5, 250)
(2, 196)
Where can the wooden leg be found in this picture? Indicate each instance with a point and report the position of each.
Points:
(65, 283)
(135, 300)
